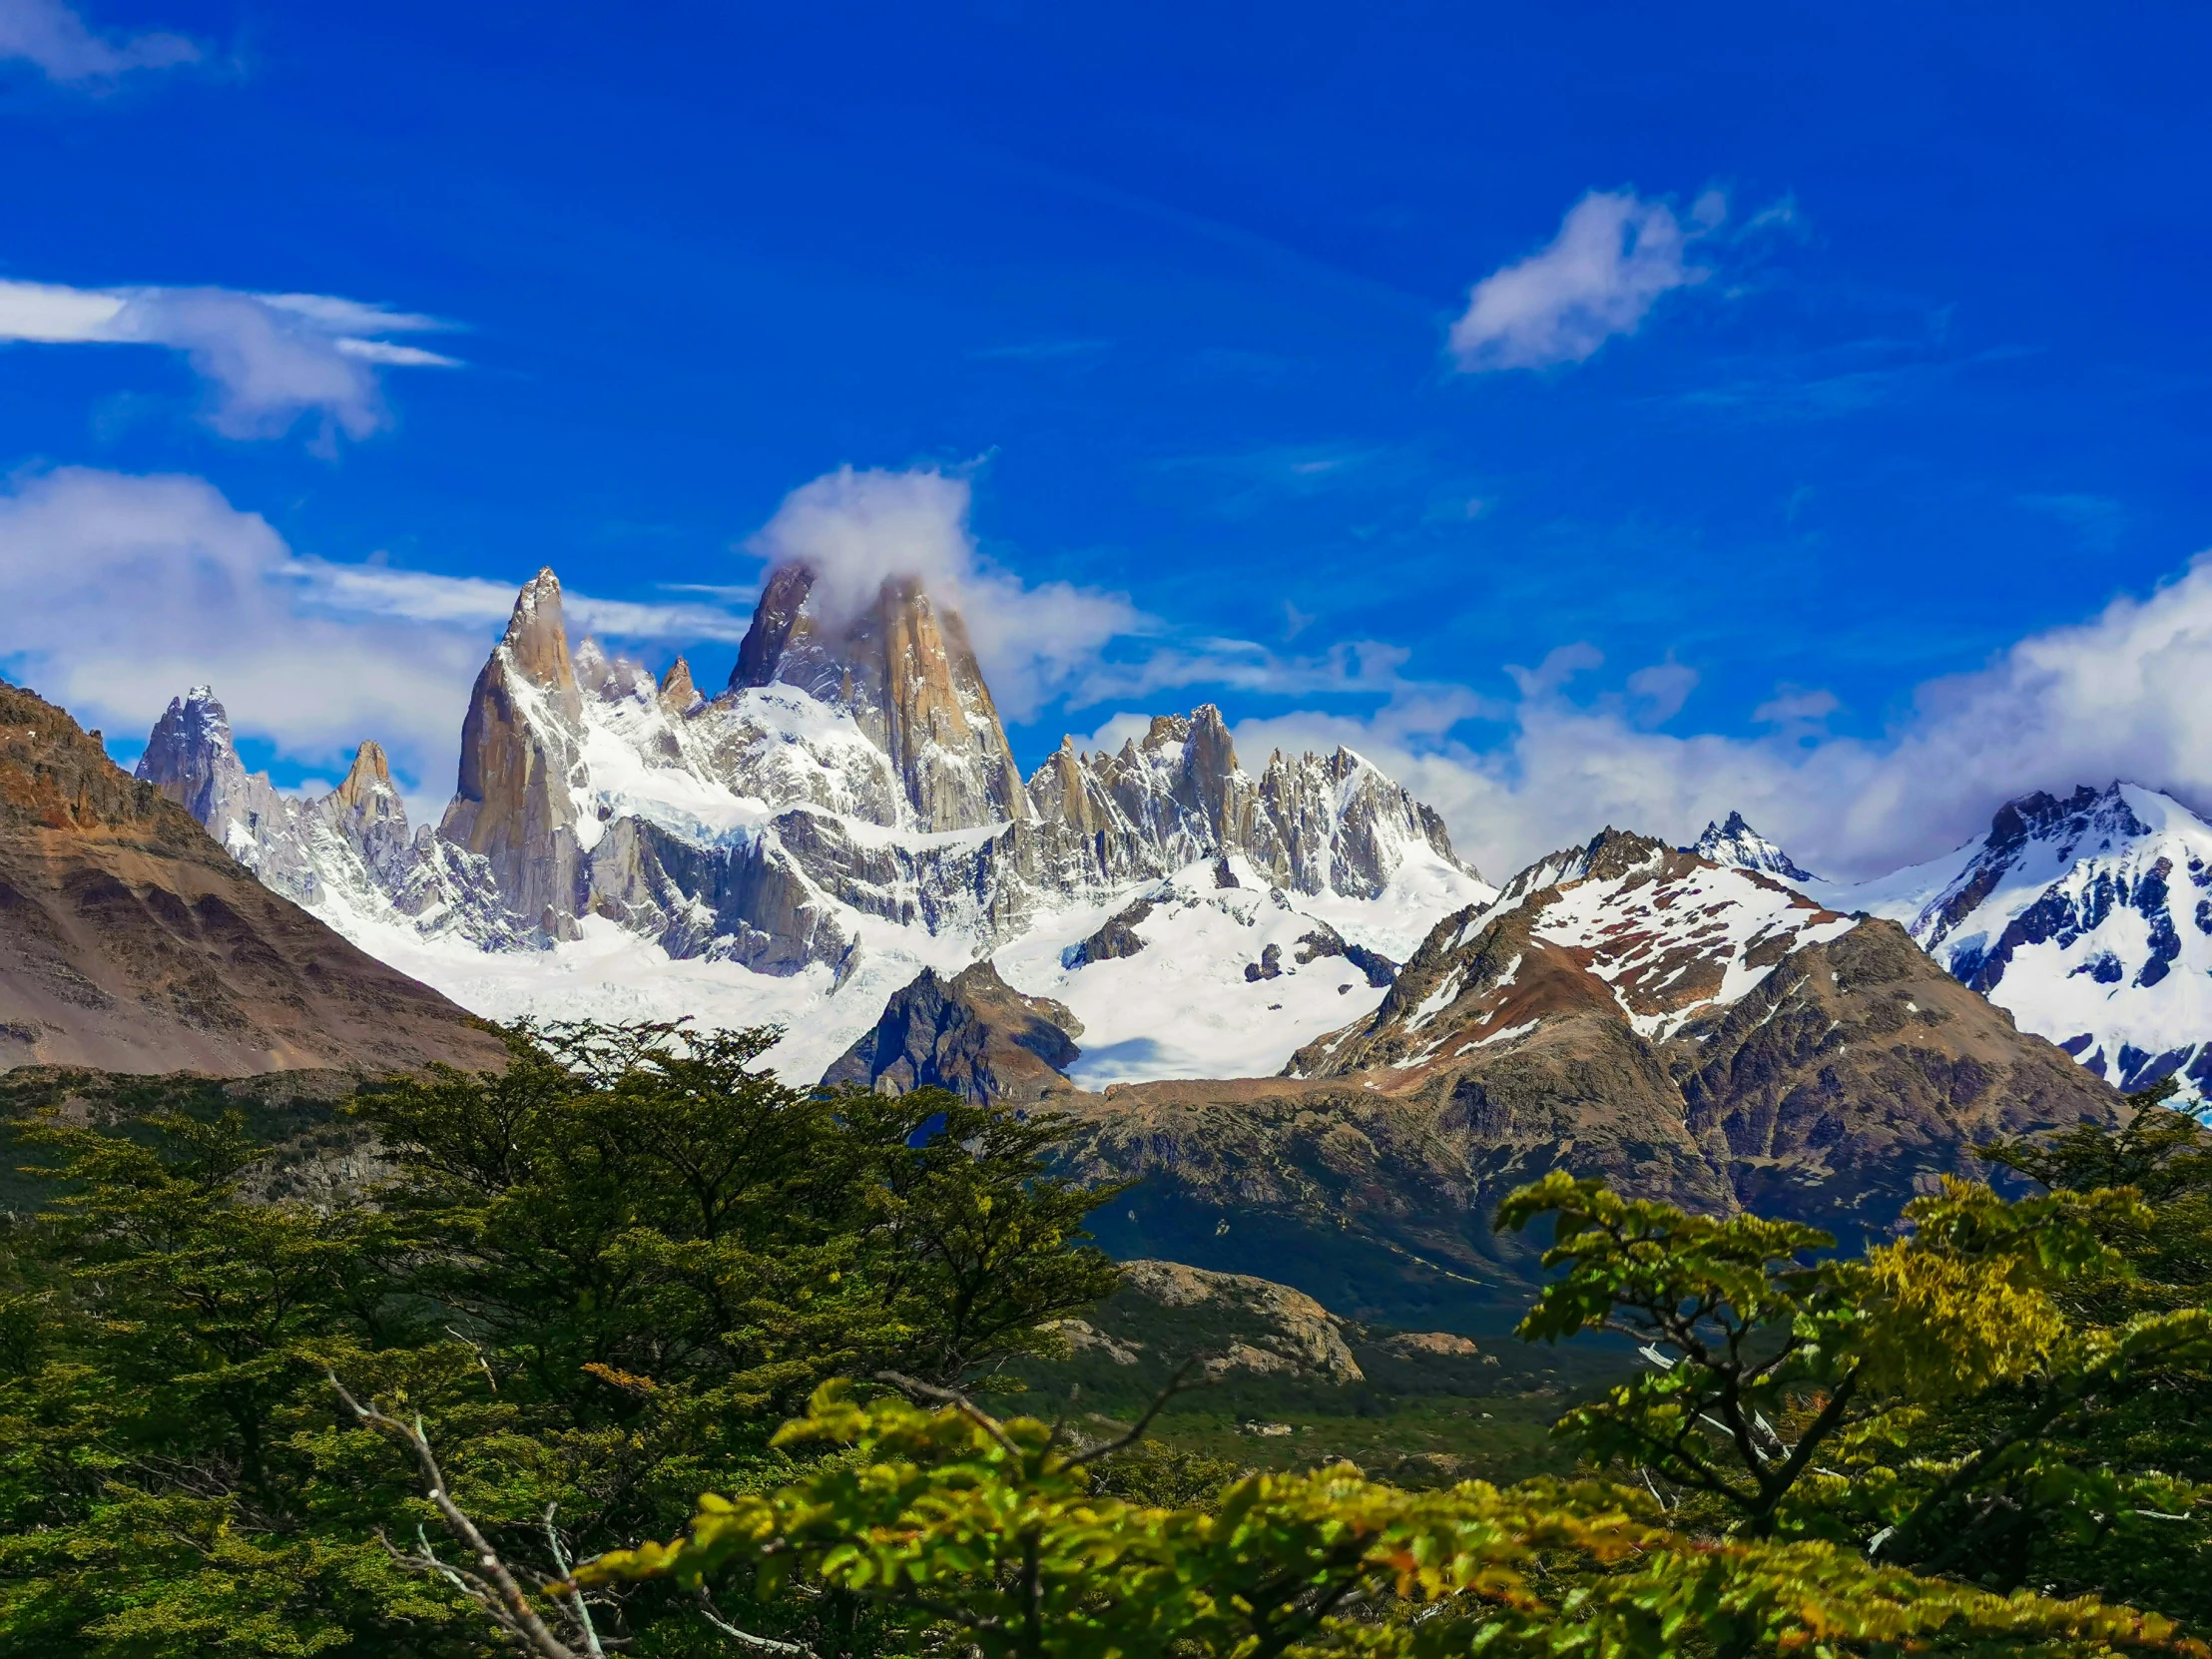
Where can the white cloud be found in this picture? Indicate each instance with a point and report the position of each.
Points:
(377, 589)
(2118, 695)
(1615, 256)
(857, 528)
(267, 359)
(60, 42)
(119, 591)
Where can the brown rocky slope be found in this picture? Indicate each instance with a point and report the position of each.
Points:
(1626, 1010)
(131, 941)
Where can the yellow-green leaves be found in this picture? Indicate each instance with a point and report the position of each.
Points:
(987, 1536)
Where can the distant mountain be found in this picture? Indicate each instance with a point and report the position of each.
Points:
(1738, 845)
(130, 941)
(2090, 918)
(1689, 1031)
(971, 1035)
(843, 815)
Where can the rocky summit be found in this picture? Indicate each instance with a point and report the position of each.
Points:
(972, 1034)
(131, 942)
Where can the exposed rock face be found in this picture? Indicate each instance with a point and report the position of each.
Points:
(1325, 940)
(1851, 1078)
(1258, 1325)
(1687, 1032)
(678, 695)
(515, 806)
(131, 942)
(191, 759)
(971, 1035)
(1311, 825)
(906, 672)
(1116, 937)
(346, 856)
(365, 810)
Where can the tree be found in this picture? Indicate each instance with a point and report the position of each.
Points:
(2013, 1393)
(1893, 1452)
(601, 1278)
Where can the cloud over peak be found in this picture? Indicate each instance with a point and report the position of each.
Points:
(1615, 256)
(267, 359)
(856, 528)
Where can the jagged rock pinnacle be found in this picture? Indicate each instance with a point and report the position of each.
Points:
(515, 805)
(371, 774)
(905, 670)
(537, 637)
(677, 690)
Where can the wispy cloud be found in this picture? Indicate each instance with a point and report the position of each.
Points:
(2120, 694)
(1615, 256)
(376, 589)
(54, 38)
(267, 359)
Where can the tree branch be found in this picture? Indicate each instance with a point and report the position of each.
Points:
(746, 1638)
(1174, 1387)
(954, 1397)
(496, 1590)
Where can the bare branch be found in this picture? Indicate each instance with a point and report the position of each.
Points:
(1136, 1434)
(954, 1397)
(493, 1588)
(746, 1638)
(575, 1597)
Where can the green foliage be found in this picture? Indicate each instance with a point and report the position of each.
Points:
(601, 1277)
(597, 1282)
(969, 1534)
(2012, 1393)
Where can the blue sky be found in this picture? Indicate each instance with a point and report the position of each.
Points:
(1895, 373)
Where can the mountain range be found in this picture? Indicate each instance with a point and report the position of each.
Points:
(845, 813)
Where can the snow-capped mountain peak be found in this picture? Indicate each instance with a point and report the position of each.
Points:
(1740, 847)
(844, 814)
(2088, 917)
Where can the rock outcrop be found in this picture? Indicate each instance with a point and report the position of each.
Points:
(972, 1034)
(1231, 1322)
(515, 806)
(131, 941)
